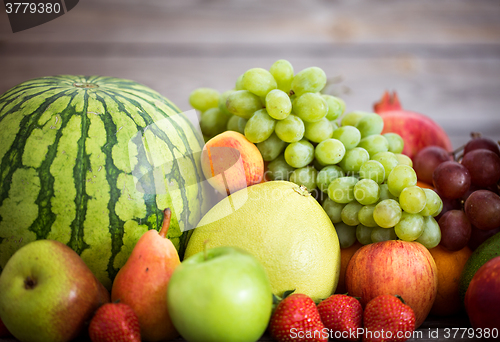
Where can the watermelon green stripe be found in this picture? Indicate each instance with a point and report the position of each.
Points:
(69, 149)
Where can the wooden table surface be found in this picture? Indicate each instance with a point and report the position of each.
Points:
(442, 57)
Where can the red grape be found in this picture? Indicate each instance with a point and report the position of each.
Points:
(483, 209)
(482, 143)
(478, 236)
(483, 166)
(448, 204)
(427, 159)
(451, 179)
(455, 230)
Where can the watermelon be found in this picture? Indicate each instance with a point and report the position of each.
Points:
(92, 162)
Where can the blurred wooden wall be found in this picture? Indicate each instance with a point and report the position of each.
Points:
(442, 57)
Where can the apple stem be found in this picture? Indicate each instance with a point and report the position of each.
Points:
(167, 214)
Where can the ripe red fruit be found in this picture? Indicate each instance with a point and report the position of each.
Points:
(455, 230)
(481, 143)
(482, 208)
(426, 161)
(451, 179)
(342, 315)
(387, 318)
(115, 322)
(417, 130)
(483, 166)
(296, 318)
(482, 298)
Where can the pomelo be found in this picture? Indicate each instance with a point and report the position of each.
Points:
(285, 228)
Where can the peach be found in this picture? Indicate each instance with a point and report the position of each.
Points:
(230, 162)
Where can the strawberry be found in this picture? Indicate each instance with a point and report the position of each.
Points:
(388, 319)
(342, 314)
(296, 319)
(115, 322)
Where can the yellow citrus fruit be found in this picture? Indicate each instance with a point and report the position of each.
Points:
(449, 265)
(285, 228)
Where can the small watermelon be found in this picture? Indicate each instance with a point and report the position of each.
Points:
(92, 162)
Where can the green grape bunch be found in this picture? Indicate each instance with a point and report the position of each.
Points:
(358, 173)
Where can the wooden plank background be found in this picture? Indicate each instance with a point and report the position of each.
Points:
(442, 57)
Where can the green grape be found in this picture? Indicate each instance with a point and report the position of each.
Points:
(439, 210)
(318, 131)
(299, 154)
(271, 148)
(432, 203)
(243, 103)
(336, 106)
(278, 104)
(352, 118)
(222, 101)
(385, 193)
(333, 210)
(373, 170)
(326, 175)
(366, 191)
(365, 216)
(387, 213)
(346, 234)
(350, 212)
(259, 81)
(310, 80)
(404, 159)
(310, 107)
(329, 152)
(431, 235)
(279, 169)
(353, 159)
(282, 71)
(341, 190)
(370, 124)
(388, 160)
(374, 144)
(410, 227)
(204, 98)
(349, 135)
(259, 127)
(233, 123)
(305, 176)
(291, 129)
(383, 234)
(401, 176)
(334, 125)
(396, 143)
(412, 199)
(213, 122)
(239, 83)
(241, 125)
(364, 234)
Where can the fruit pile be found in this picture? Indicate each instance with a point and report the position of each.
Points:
(468, 188)
(366, 185)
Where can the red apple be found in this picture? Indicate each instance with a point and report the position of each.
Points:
(417, 130)
(482, 298)
(394, 267)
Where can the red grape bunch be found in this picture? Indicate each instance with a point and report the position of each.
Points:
(469, 188)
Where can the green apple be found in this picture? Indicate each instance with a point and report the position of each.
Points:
(47, 293)
(221, 294)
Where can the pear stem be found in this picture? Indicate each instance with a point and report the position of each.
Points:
(167, 214)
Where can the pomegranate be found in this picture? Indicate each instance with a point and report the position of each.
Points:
(417, 130)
